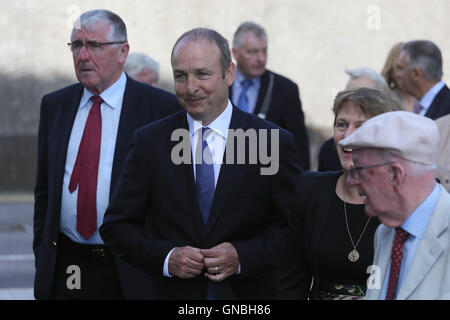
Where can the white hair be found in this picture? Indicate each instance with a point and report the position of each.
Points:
(380, 82)
(138, 61)
(118, 31)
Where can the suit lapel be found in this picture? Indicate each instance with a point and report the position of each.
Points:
(129, 122)
(383, 255)
(437, 107)
(262, 91)
(429, 250)
(64, 119)
(229, 173)
(185, 176)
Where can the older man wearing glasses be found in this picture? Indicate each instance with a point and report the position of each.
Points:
(394, 157)
(84, 134)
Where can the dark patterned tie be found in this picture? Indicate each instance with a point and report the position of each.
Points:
(85, 171)
(396, 261)
(204, 171)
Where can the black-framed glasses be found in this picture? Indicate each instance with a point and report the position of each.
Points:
(92, 46)
(354, 171)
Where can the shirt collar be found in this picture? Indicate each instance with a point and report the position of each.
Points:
(220, 125)
(240, 78)
(111, 96)
(417, 222)
(428, 98)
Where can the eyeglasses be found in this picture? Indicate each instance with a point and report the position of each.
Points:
(91, 46)
(354, 171)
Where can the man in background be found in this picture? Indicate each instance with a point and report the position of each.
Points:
(263, 92)
(419, 68)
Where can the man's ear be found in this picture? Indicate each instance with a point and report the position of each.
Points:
(397, 174)
(417, 72)
(123, 53)
(230, 74)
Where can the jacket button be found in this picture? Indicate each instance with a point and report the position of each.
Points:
(54, 243)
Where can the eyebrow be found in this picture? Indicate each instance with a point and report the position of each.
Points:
(196, 70)
(343, 119)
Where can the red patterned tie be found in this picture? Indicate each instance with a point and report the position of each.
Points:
(396, 261)
(85, 171)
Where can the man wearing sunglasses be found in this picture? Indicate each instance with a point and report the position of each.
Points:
(84, 134)
(394, 155)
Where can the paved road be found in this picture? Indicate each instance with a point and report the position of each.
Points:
(16, 254)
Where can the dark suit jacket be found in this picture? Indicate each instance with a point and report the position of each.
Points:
(313, 200)
(156, 209)
(141, 105)
(440, 105)
(285, 110)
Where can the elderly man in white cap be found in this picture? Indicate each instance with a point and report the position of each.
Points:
(394, 158)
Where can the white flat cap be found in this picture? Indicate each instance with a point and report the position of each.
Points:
(405, 134)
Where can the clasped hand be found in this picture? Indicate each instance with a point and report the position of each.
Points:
(217, 263)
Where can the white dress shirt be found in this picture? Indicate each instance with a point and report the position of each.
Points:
(110, 110)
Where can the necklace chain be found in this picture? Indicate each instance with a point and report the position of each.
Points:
(348, 229)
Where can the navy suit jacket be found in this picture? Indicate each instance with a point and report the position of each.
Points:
(440, 105)
(285, 110)
(141, 104)
(155, 209)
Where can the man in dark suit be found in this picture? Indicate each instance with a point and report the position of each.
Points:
(213, 230)
(419, 68)
(263, 92)
(82, 146)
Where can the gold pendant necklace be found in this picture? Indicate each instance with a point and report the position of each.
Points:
(353, 256)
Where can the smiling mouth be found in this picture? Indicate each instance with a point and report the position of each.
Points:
(347, 150)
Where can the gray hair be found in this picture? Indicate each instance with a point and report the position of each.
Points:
(248, 26)
(380, 82)
(118, 30)
(212, 36)
(136, 62)
(425, 55)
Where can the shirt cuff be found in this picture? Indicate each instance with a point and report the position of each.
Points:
(166, 265)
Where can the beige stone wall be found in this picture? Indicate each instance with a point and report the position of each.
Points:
(310, 41)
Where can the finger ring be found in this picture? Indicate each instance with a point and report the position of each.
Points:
(216, 269)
